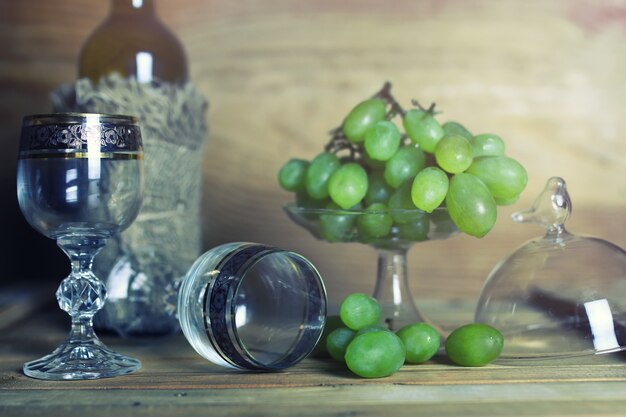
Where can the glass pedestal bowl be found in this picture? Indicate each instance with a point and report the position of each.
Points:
(391, 232)
(557, 296)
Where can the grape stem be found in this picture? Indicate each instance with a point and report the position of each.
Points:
(430, 110)
(394, 107)
(339, 142)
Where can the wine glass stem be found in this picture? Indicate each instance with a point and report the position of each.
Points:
(81, 294)
(392, 290)
(82, 329)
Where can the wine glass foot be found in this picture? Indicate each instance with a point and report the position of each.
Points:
(73, 361)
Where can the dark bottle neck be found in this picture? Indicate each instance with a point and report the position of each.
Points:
(133, 41)
(133, 7)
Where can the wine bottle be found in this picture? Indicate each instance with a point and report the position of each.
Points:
(132, 41)
(132, 64)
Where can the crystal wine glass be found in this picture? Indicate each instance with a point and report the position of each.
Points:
(79, 182)
(392, 283)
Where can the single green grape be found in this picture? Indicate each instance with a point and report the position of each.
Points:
(338, 225)
(303, 199)
(376, 223)
(347, 185)
(456, 128)
(372, 163)
(470, 205)
(369, 329)
(382, 140)
(375, 354)
(506, 201)
(414, 231)
(422, 128)
(474, 344)
(359, 310)
(504, 176)
(365, 115)
(291, 176)
(337, 342)
(429, 188)
(378, 191)
(320, 170)
(442, 222)
(487, 144)
(421, 341)
(453, 154)
(404, 165)
(332, 323)
(401, 205)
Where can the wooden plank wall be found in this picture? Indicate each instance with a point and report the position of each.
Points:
(547, 75)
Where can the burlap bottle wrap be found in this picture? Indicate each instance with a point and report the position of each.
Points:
(141, 265)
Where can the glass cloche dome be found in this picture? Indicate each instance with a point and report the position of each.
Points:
(560, 295)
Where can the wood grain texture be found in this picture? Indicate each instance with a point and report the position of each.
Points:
(547, 76)
(174, 380)
(528, 400)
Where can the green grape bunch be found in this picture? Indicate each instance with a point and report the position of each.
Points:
(384, 159)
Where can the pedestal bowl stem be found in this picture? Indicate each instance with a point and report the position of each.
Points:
(392, 289)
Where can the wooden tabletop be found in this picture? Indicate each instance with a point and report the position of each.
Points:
(174, 380)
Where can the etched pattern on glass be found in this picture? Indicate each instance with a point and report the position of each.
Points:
(77, 136)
